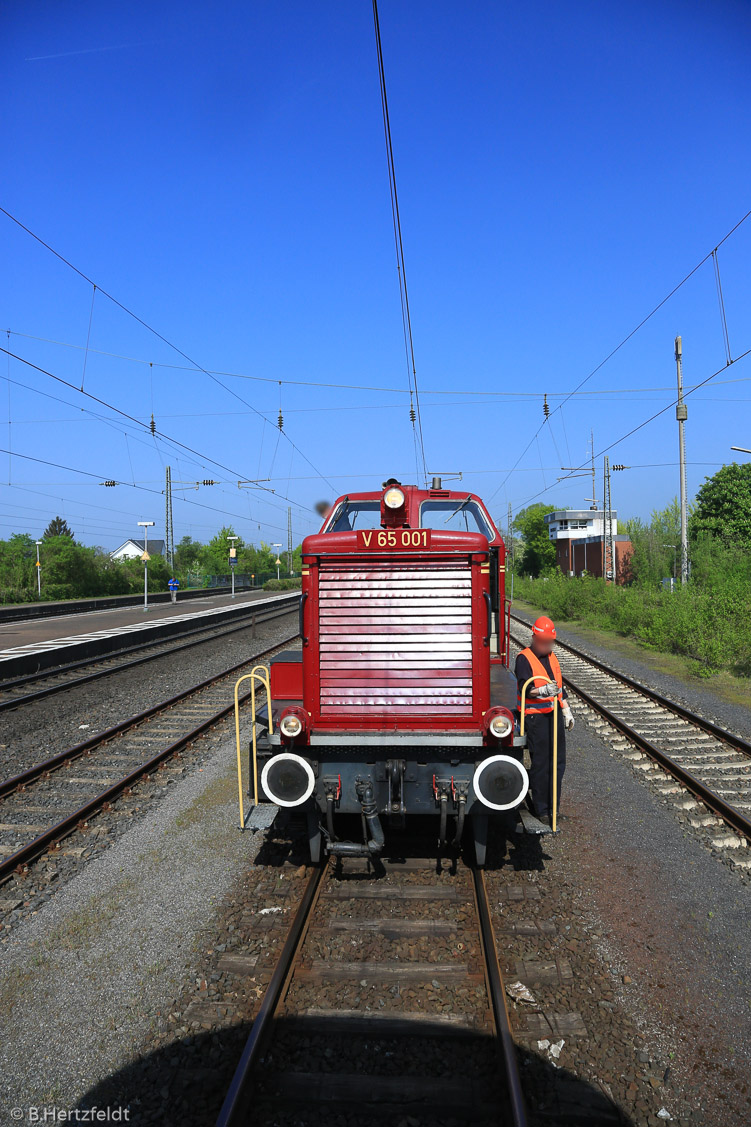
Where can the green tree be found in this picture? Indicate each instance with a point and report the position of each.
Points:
(17, 559)
(657, 545)
(187, 554)
(723, 506)
(57, 527)
(214, 556)
(538, 552)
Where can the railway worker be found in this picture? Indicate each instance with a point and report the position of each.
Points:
(539, 661)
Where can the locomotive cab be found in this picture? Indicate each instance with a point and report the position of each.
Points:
(399, 699)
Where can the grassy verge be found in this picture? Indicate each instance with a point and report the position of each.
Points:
(725, 685)
(708, 626)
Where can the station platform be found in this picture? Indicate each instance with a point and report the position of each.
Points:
(41, 643)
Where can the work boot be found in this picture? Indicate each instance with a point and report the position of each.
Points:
(545, 819)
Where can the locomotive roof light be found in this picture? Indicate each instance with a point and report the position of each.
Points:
(288, 779)
(393, 498)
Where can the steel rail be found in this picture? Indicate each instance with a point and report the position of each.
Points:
(235, 1107)
(61, 829)
(710, 798)
(723, 809)
(260, 616)
(498, 999)
(63, 757)
(680, 710)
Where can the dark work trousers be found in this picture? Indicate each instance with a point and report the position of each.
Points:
(539, 729)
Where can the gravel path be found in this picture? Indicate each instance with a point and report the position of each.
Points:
(34, 732)
(694, 695)
(663, 914)
(85, 981)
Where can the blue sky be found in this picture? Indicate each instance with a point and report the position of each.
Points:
(220, 170)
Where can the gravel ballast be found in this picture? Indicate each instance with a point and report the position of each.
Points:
(33, 733)
(84, 982)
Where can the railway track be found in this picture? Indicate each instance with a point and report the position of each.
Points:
(711, 763)
(43, 804)
(387, 1004)
(20, 690)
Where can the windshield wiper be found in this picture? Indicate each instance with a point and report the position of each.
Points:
(458, 509)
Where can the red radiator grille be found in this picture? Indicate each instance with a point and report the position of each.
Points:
(395, 640)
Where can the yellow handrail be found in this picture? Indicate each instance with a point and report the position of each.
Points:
(258, 673)
(527, 683)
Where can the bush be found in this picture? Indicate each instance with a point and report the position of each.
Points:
(702, 623)
(282, 584)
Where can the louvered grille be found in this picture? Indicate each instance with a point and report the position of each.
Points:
(395, 640)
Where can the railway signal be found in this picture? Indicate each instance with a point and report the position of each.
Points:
(232, 560)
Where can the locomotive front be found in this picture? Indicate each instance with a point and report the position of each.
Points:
(399, 700)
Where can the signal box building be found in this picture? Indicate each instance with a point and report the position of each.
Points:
(579, 538)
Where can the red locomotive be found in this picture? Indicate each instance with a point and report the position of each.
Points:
(399, 700)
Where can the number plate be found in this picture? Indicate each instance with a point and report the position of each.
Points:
(397, 539)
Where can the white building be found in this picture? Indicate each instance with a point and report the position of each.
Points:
(575, 524)
(133, 550)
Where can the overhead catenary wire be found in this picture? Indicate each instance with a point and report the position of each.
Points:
(710, 254)
(131, 418)
(151, 329)
(522, 396)
(137, 486)
(415, 416)
(721, 302)
(88, 335)
(640, 426)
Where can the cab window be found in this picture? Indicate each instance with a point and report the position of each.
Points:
(350, 516)
(455, 516)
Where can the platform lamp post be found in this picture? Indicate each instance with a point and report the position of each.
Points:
(232, 560)
(39, 571)
(278, 561)
(743, 449)
(145, 525)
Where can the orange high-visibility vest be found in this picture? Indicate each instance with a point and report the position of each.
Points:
(540, 704)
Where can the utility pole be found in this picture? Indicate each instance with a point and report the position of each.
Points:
(608, 544)
(145, 525)
(169, 534)
(289, 539)
(681, 414)
(594, 478)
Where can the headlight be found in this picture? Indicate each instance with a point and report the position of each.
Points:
(291, 726)
(393, 498)
(501, 726)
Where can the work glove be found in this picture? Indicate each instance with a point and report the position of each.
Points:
(549, 690)
(568, 718)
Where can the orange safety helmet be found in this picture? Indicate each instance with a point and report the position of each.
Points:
(544, 629)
